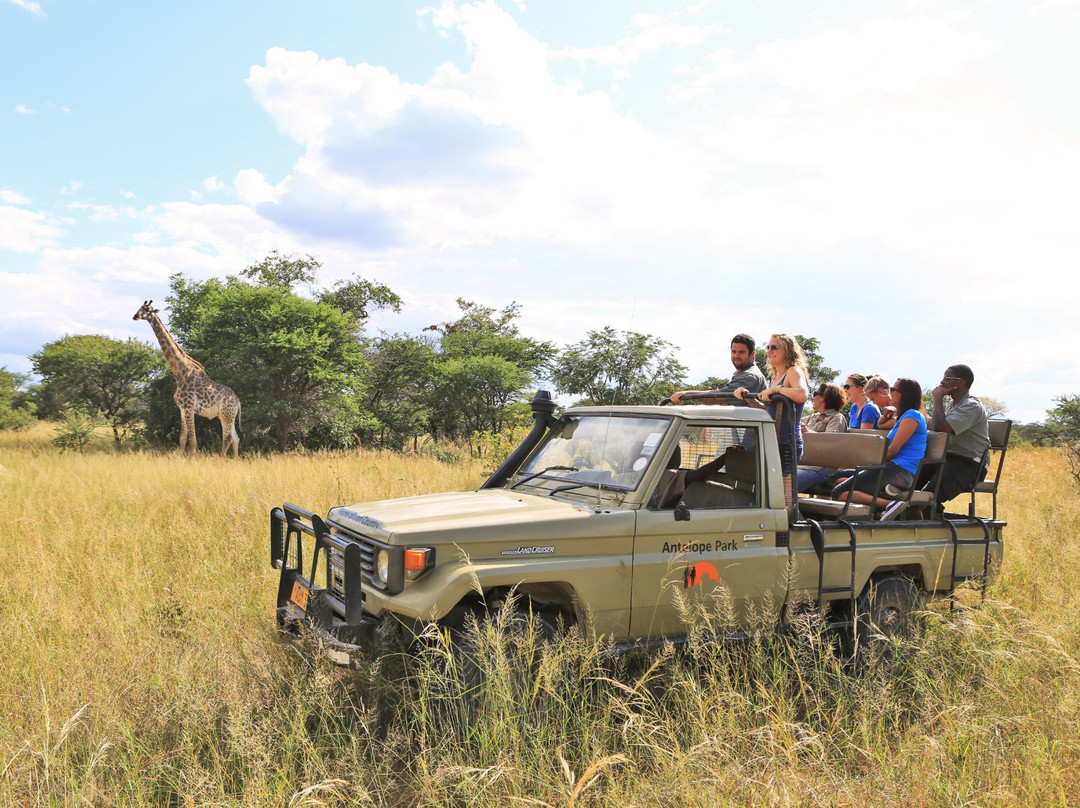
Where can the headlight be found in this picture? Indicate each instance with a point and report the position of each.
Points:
(382, 565)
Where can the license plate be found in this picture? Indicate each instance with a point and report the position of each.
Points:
(299, 595)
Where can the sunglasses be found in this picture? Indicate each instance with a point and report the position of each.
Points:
(772, 347)
(951, 379)
(893, 389)
(849, 386)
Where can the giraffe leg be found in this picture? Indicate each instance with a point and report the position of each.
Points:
(235, 431)
(183, 429)
(189, 427)
(226, 436)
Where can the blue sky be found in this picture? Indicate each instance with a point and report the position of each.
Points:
(897, 179)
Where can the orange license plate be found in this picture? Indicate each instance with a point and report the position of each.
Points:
(299, 595)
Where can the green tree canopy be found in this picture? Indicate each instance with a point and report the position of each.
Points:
(293, 362)
(399, 385)
(101, 375)
(483, 368)
(1064, 424)
(16, 408)
(610, 367)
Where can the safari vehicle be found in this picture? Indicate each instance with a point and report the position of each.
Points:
(592, 521)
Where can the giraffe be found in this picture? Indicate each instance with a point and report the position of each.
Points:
(196, 393)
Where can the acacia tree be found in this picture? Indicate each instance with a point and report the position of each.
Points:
(610, 367)
(400, 378)
(295, 362)
(1064, 424)
(101, 375)
(16, 410)
(482, 370)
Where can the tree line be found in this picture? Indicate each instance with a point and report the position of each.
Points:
(309, 375)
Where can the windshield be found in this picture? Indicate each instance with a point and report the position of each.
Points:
(609, 450)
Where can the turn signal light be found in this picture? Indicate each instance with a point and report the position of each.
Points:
(417, 560)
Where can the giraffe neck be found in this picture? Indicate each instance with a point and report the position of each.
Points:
(179, 362)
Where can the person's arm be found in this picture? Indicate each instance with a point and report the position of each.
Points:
(904, 430)
(941, 422)
(887, 419)
(797, 389)
(714, 465)
(747, 397)
(676, 398)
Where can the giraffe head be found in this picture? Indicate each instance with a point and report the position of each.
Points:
(145, 311)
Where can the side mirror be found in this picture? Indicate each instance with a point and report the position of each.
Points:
(682, 513)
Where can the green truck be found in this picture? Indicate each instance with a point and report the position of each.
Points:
(621, 520)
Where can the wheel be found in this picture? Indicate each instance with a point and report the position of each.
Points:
(887, 608)
(503, 645)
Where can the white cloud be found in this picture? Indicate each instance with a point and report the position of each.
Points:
(650, 33)
(27, 231)
(29, 5)
(72, 187)
(103, 213)
(12, 197)
(213, 184)
(254, 189)
(22, 109)
(501, 151)
(882, 57)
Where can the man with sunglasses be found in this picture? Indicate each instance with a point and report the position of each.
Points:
(965, 419)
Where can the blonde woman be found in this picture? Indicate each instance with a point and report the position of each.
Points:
(789, 379)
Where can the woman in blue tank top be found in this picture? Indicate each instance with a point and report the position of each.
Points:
(907, 446)
(789, 380)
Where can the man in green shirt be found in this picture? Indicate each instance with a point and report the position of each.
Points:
(965, 419)
(747, 374)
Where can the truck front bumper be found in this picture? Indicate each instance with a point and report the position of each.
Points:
(333, 622)
(346, 644)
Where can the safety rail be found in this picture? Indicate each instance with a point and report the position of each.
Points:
(821, 549)
(289, 524)
(957, 543)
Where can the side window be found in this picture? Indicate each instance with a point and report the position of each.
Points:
(712, 467)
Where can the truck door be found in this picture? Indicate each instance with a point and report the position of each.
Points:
(722, 563)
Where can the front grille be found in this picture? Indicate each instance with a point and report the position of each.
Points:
(336, 566)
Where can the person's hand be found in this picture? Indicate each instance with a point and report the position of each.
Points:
(740, 392)
(888, 417)
(768, 393)
(945, 388)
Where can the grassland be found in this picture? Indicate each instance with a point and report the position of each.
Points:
(140, 667)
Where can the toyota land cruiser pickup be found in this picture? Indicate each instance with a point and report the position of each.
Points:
(607, 517)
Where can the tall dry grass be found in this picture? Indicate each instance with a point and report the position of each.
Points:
(140, 666)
